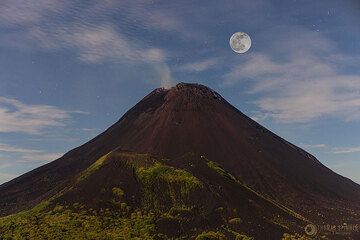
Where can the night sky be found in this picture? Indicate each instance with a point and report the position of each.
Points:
(70, 69)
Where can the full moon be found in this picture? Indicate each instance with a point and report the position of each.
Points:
(240, 42)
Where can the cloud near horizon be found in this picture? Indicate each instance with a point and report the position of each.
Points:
(13, 158)
(5, 177)
(28, 154)
(333, 149)
(18, 117)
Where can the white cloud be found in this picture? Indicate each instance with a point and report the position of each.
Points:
(35, 28)
(92, 41)
(19, 117)
(4, 165)
(27, 154)
(15, 149)
(152, 18)
(346, 167)
(198, 66)
(104, 43)
(303, 85)
(96, 43)
(166, 19)
(25, 13)
(13, 158)
(42, 157)
(321, 145)
(346, 150)
(5, 177)
(309, 99)
(90, 129)
(259, 116)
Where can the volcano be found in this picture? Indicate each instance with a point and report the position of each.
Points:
(191, 166)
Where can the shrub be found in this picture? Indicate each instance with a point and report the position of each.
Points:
(243, 237)
(66, 224)
(296, 236)
(235, 221)
(210, 236)
(177, 182)
(118, 192)
(217, 168)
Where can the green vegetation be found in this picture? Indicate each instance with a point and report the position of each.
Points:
(210, 236)
(118, 192)
(63, 223)
(217, 168)
(238, 236)
(235, 221)
(166, 199)
(128, 158)
(179, 215)
(294, 237)
(280, 221)
(180, 211)
(93, 168)
(172, 182)
(119, 198)
(131, 159)
(242, 237)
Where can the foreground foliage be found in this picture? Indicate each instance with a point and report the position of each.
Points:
(172, 209)
(64, 223)
(176, 183)
(294, 237)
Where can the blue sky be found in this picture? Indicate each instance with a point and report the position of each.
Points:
(70, 69)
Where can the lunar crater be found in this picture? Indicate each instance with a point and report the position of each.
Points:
(240, 42)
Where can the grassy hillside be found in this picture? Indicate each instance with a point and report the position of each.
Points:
(137, 196)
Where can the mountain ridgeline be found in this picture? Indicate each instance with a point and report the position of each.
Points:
(183, 163)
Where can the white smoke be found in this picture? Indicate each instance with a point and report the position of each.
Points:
(164, 73)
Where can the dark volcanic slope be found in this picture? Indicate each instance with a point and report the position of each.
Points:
(193, 118)
(219, 197)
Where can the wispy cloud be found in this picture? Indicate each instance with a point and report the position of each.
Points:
(90, 129)
(13, 158)
(25, 13)
(4, 177)
(96, 43)
(28, 154)
(198, 66)
(15, 149)
(303, 85)
(105, 43)
(332, 149)
(19, 117)
(321, 145)
(45, 26)
(150, 17)
(346, 167)
(343, 150)
(40, 157)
